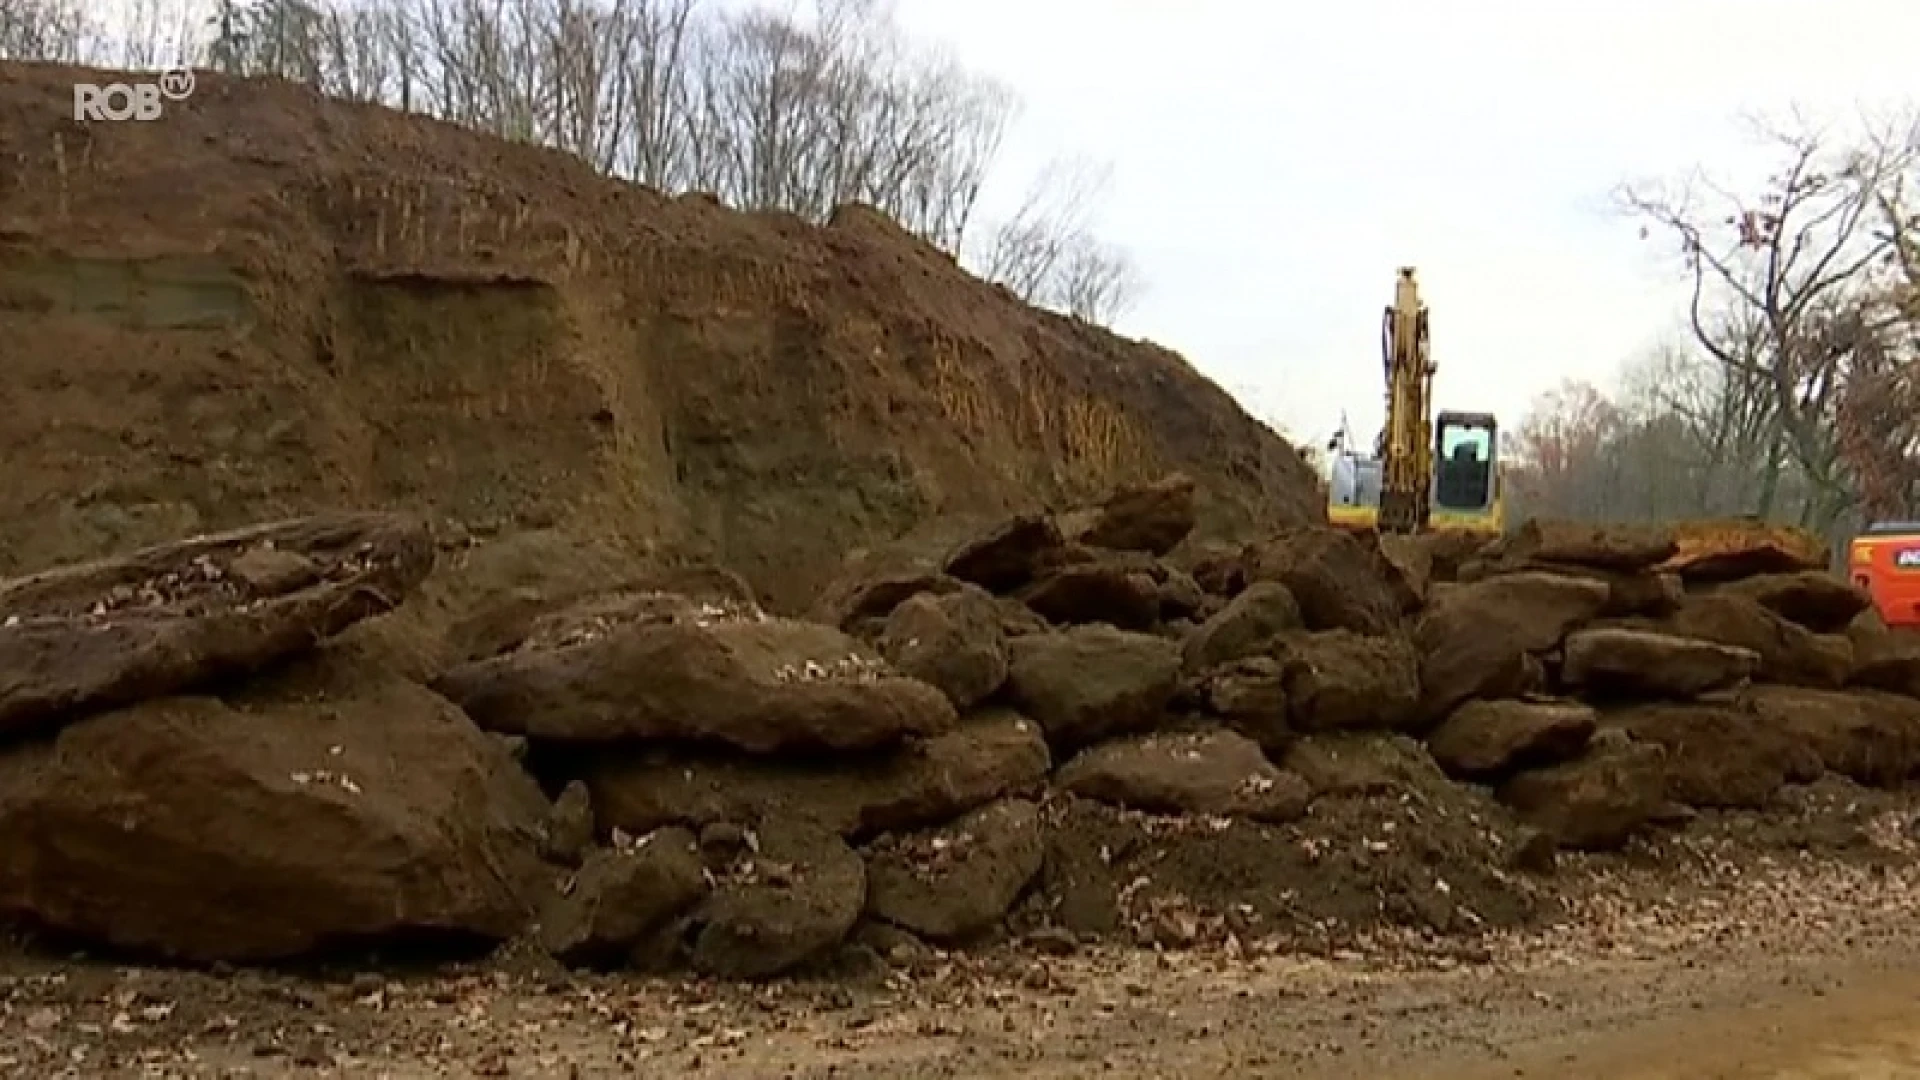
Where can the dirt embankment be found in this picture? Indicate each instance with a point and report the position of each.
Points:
(268, 302)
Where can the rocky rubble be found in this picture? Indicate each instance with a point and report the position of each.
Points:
(1059, 726)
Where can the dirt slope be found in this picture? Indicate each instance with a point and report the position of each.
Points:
(267, 302)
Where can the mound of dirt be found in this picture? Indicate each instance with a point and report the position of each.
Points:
(272, 303)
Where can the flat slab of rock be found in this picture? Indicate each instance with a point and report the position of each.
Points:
(178, 617)
(1486, 741)
(1602, 547)
(272, 828)
(660, 669)
(1643, 663)
(957, 881)
(788, 901)
(1088, 683)
(1629, 592)
(1730, 549)
(925, 783)
(622, 896)
(1214, 773)
(1596, 803)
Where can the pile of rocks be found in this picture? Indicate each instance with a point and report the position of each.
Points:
(1082, 720)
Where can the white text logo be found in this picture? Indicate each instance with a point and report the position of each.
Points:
(131, 101)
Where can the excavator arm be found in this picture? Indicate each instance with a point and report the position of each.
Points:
(1406, 440)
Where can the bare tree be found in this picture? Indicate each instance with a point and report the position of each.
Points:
(1777, 287)
(656, 111)
(1025, 252)
(1094, 281)
(158, 34)
(51, 30)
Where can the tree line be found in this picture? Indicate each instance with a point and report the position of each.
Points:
(1793, 393)
(799, 109)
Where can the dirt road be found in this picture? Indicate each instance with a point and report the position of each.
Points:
(1793, 974)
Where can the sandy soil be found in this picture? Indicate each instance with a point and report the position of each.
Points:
(1790, 971)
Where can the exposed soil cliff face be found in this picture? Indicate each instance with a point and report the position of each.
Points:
(266, 302)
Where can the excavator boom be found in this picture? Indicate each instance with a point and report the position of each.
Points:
(1406, 460)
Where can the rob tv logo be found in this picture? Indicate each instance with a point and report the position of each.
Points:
(131, 101)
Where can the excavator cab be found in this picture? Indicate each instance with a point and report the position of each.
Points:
(1466, 473)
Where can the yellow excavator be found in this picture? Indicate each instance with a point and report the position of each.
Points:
(1426, 473)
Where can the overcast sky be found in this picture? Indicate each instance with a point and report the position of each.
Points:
(1275, 160)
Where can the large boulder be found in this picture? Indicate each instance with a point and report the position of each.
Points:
(1218, 567)
(1091, 682)
(1868, 736)
(1008, 555)
(1477, 640)
(1815, 599)
(1719, 756)
(1214, 773)
(1342, 581)
(1251, 696)
(1623, 662)
(657, 669)
(953, 642)
(1340, 680)
(1096, 592)
(1153, 518)
(1886, 659)
(1181, 597)
(787, 900)
(327, 810)
(958, 881)
(862, 596)
(1486, 741)
(1597, 802)
(1411, 557)
(996, 753)
(1789, 653)
(1245, 626)
(182, 616)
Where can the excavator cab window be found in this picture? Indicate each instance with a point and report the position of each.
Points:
(1464, 463)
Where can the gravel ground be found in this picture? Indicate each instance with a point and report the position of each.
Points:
(1784, 964)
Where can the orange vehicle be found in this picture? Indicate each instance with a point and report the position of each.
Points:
(1885, 562)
